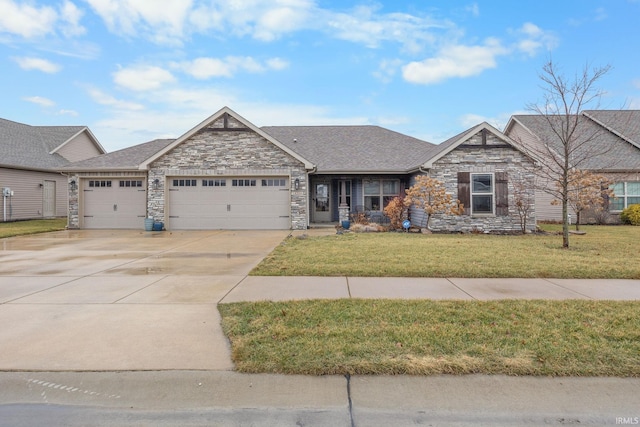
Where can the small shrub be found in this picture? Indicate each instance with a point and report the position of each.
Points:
(631, 215)
(359, 218)
(395, 211)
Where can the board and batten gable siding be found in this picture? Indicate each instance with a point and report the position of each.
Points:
(217, 150)
(494, 156)
(28, 199)
(79, 148)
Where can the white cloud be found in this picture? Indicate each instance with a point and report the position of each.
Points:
(142, 77)
(108, 100)
(277, 64)
(161, 22)
(387, 69)
(26, 20)
(43, 102)
(67, 113)
(454, 61)
(473, 9)
(71, 15)
(30, 21)
(266, 20)
(28, 63)
(364, 25)
(533, 39)
(205, 68)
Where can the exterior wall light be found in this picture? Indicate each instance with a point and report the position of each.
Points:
(156, 184)
(296, 184)
(73, 184)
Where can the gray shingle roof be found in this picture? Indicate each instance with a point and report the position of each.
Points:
(624, 122)
(25, 146)
(335, 149)
(125, 159)
(613, 152)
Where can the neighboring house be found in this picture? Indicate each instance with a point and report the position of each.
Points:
(613, 136)
(226, 173)
(30, 160)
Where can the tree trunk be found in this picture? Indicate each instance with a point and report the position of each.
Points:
(565, 223)
(578, 221)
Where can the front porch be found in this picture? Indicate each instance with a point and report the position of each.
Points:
(354, 195)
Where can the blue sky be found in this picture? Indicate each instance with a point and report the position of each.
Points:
(135, 70)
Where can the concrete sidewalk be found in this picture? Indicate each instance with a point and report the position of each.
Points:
(121, 328)
(281, 288)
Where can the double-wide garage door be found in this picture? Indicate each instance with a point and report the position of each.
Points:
(114, 203)
(197, 203)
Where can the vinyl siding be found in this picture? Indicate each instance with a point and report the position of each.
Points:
(27, 202)
(79, 148)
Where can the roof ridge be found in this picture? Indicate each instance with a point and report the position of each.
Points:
(587, 114)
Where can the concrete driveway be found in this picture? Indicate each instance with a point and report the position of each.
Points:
(121, 300)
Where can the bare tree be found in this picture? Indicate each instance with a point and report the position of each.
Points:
(524, 199)
(588, 191)
(569, 143)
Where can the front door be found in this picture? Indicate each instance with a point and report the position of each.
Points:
(49, 199)
(322, 202)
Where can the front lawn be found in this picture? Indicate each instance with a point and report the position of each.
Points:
(19, 228)
(512, 337)
(603, 252)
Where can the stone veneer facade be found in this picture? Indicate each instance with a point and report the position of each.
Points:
(496, 156)
(73, 216)
(227, 148)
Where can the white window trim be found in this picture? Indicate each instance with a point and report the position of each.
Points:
(492, 194)
(624, 197)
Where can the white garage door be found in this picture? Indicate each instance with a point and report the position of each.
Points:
(114, 203)
(238, 203)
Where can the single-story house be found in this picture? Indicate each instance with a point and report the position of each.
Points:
(227, 173)
(30, 161)
(609, 145)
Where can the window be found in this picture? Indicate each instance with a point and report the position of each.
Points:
(378, 193)
(274, 182)
(481, 193)
(214, 182)
(184, 182)
(626, 194)
(243, 182)
(99, 183)
(132, 183)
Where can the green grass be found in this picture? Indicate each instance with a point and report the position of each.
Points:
(512, 337)
(19, 228)
(604, 252)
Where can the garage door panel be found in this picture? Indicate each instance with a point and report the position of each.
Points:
(113, 203)
(229, 203)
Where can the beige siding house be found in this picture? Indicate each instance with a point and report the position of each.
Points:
(611, 147)
(30, 159)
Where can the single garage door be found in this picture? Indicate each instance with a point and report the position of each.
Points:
(231, 203)
(114, 203)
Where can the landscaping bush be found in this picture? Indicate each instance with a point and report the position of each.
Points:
(631, 215)
(396, 212)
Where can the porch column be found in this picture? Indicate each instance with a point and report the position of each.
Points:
(343, 208)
